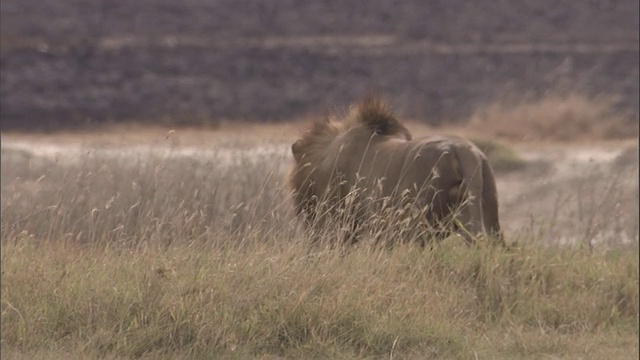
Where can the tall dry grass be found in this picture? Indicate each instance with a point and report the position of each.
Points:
(137, 197)
(199, 258)
(555, 116)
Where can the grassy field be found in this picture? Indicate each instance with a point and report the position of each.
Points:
(271, 299)
(164, 257)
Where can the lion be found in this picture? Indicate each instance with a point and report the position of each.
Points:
(366, 170)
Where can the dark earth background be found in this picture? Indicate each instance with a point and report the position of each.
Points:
(79, 63)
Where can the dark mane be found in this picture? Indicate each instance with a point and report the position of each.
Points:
(372, 112)
(321, 133)
(377, 116)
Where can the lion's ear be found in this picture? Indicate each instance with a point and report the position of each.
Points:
(296, 150)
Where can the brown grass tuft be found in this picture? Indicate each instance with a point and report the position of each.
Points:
(555, 117)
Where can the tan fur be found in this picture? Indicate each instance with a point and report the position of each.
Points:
(347, 169)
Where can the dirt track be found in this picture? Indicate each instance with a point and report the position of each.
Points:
(574, 193)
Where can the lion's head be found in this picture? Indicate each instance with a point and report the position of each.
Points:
(370, 117)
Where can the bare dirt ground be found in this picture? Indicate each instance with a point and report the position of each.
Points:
(567, 193)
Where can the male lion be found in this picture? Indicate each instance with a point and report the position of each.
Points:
(365, 171)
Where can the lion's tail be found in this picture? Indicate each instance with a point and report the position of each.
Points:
(471, 190)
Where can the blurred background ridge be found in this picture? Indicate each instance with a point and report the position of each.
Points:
(78, 63)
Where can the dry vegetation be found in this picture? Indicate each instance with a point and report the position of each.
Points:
(556, 116)
(146, 257)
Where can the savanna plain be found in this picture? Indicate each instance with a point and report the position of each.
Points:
(162, 243)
